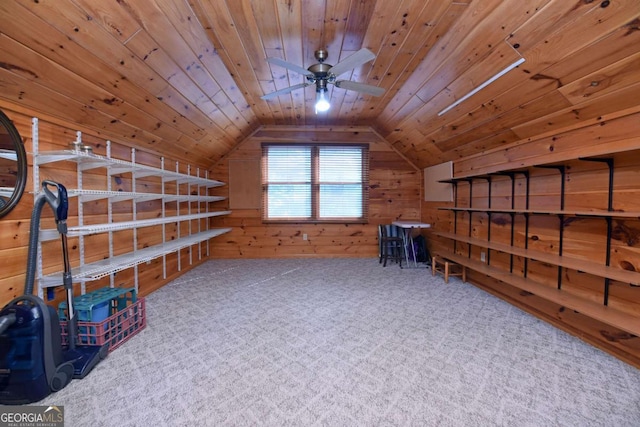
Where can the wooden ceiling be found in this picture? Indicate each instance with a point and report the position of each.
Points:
(185, 77)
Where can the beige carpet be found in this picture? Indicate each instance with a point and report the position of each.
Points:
(346, 342)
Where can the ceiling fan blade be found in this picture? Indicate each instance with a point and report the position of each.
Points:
(353, 61)
(290, 66)
(359, 87)
(284, 91)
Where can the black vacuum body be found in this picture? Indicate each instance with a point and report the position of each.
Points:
(32, 363)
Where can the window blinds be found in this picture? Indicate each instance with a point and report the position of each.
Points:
(315, 183)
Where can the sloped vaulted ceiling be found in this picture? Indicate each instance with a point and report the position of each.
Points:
(185, 77)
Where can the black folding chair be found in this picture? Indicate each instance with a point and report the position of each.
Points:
(391, 244)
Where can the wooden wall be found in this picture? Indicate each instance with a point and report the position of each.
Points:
(586, 188)
(14, 228)
(394, 194)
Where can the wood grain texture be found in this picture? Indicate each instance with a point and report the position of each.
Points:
(394, 194)
(584, 238)
(185, 78)
(14, 228)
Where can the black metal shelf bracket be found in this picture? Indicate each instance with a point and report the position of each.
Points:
(609, 163)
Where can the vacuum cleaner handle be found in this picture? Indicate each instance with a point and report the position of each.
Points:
(60, 202)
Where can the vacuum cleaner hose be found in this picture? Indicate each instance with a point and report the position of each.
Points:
(32, 256)
(6, 321)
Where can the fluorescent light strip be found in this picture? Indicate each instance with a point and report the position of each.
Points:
(482, 86)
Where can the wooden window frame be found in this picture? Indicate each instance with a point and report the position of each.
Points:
(315, 184)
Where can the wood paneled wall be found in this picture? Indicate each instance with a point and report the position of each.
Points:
(14, 228)
(394, 194)
(586, 188)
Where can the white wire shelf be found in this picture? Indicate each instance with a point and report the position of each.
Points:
(7, 191)
(103, 268)
(8, 154)
(119, 196)
(91, 161)
(114, 196)
(86, 230)
(191, 198)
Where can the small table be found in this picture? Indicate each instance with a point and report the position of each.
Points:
(407, 237)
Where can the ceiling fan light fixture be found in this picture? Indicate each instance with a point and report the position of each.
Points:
(322, 103)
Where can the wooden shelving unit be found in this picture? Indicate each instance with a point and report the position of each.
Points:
(625, 319)
(191, 190)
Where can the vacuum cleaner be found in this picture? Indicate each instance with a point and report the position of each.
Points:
(33, 362)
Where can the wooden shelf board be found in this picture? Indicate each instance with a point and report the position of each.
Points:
(563, 261)
(597, 214)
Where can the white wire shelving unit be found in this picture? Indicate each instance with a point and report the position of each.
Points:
(190, 189)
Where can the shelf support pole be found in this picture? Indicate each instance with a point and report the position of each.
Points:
(164, 215)
(35, 142)
(110, 212)
(78, 142)
(134, 208)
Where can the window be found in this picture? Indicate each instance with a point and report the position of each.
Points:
(315, 183)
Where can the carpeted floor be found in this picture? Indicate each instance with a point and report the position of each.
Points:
(346, 342)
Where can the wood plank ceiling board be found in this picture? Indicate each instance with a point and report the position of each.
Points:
(399, 106)
(57, 47)
(184, 17)
(115, 19)
(583, 142)
(188, 76)
(596, 109)
(467, 53)
(383, 13)
(204, 87)
(442, 52)
(405, 18)
(518, 114)
(491, 142)
(290, 19)
(581, 31)
(339, 23)
(88, 34)
(272, 42)
(423, 35)
(515, 101)
(438, 94)
(43, 99)
(316, 33)
(221, 30)
(616, 76)
(70, 85)
(360, 15)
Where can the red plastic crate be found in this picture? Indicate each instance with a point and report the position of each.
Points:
(114, 330)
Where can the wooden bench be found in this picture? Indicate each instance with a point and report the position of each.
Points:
(447, 268)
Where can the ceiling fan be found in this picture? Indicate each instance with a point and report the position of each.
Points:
(322, 74)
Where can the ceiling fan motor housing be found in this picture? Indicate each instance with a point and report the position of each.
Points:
(322, 74)
(320, 71)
